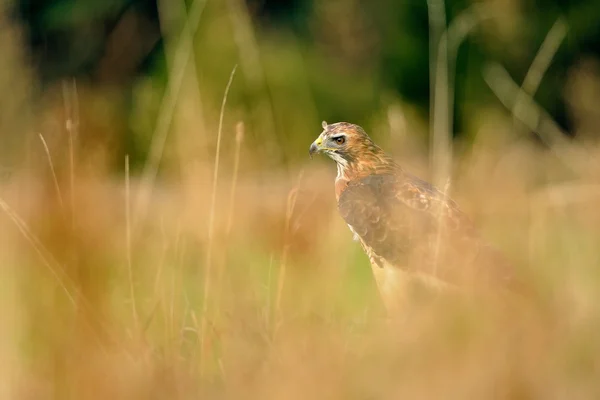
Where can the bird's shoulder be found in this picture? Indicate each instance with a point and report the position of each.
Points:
(394, 213)
(400, 191)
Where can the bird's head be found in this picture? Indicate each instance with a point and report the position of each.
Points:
(343, 142)
(352, 149)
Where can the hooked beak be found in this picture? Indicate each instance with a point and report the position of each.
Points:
(315, 147)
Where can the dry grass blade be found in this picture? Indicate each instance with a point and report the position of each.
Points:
(239, 138)
(128, 243)
(53, 171)
(211, 223)
(39, 249)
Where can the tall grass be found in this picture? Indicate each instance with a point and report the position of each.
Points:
(243, 281)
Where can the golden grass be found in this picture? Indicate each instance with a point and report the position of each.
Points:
(100, 300)
(321, 332)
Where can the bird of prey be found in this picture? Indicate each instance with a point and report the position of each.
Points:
(410, 230)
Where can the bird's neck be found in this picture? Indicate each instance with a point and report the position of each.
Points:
(370, 163)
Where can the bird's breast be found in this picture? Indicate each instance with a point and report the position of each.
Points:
(340, 185)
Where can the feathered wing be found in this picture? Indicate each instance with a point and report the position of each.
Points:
(407, 223)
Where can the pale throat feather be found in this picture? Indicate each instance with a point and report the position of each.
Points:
(341, 163)
(349, 171)
(341, 180)
(341, 170)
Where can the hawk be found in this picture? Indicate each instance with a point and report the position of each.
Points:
(410, 230)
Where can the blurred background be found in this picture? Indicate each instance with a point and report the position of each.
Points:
(165, 235)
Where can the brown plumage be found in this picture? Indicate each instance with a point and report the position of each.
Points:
(408, 228)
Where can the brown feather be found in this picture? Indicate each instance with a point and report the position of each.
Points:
(405, 223)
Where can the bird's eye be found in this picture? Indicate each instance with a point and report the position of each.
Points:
(339, 139)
